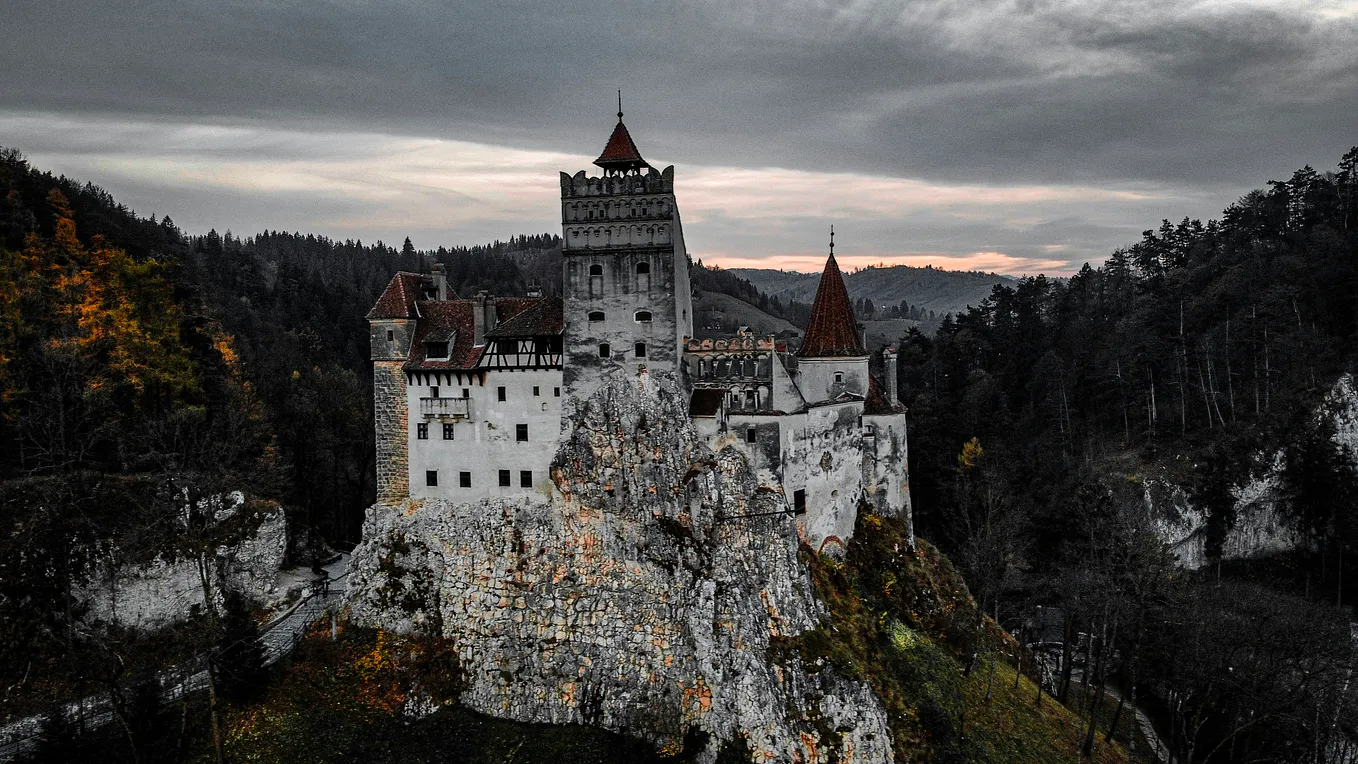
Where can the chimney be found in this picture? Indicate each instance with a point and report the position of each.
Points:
(483, 316)
(440, 282)
(889, 361)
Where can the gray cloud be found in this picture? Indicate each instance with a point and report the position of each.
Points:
(1047, 91)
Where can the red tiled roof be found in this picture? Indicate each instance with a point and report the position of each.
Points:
(832, 331)
(621, 153)
(440, 320)
(876, 402)
(543, 316)
(399, 298)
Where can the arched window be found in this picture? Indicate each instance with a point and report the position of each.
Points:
(643, 268)
(596, 315)
(604, 350)
(644, 316)
(596, 270)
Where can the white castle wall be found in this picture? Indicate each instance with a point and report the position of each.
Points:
(485, 443)
(816, 377)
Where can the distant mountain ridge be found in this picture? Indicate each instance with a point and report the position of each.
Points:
(929, 288)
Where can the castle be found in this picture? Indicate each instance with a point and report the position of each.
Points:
(469, 393)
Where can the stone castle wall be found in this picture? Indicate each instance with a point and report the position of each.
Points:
(391, 417)
(638, 598)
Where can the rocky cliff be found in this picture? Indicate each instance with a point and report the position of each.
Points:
(1258, 528)
(641, 596)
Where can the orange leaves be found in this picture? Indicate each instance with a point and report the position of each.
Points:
(971, 453)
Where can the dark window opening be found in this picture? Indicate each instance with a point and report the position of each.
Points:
(447, 430)
(596, 270)
(422, 431)
(525, 478)
(596, 315)
(536, 391)
(640, 350)
(839, 376)
(521, 433)
(431, 478)
(504, 479)
(644, 316)
(433, 392)
(436, 350)
(500, 393)
(464, 479)
(604, 350)
(750, 435)
(556, 392)
(466, 392)
(643, 268)
(391, 336)
(799, 502)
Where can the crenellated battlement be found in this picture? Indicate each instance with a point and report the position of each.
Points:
(581, 185)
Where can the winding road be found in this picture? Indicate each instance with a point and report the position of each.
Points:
(279, 637)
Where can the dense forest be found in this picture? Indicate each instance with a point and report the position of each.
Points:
(140, 366)
(1197, 357)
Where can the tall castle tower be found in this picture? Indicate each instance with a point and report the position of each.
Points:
(626, 293)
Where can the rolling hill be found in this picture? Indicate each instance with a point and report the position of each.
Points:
(929, 288)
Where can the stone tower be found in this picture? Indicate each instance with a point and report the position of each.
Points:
(625, 287)
(391, 326)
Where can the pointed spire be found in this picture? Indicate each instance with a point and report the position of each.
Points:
(832, 331)
(620, 153)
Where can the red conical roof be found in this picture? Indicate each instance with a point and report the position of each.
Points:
(621, 153)
(832, 331)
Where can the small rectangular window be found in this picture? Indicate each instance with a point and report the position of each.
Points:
(525, 478)
(604, 350)
(464, 479)
(536, 391)
(391, 336)
(500, 393)
(466, 392)
(750, 435)
(504, 478)
(799, 501)
(447, 430)
(433, 392)
(556, 392)
(521, 433)
(422, 431)
(431, 478)
(640, 350)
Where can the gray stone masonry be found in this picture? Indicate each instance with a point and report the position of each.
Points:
(641, 597)
(391, 417)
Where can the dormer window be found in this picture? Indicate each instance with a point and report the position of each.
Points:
(643, 316)
(436, 351)
(596, 315)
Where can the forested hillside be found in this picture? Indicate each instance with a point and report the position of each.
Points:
(1193, 356)
(925, 293)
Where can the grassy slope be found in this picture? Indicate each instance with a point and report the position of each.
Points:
(734, 312)
(903, 621)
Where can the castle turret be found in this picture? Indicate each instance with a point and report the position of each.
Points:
(391, 326)
(832, 360)
(625, 283)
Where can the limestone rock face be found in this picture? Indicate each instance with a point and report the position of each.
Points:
(641, 596)
(1260, 528)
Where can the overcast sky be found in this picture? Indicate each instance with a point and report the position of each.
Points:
(1019, 136)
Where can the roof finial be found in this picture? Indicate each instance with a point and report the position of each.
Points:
(619, 105)
(832, 240)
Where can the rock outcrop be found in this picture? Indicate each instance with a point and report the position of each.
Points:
(641, 596)
(1258, 528)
